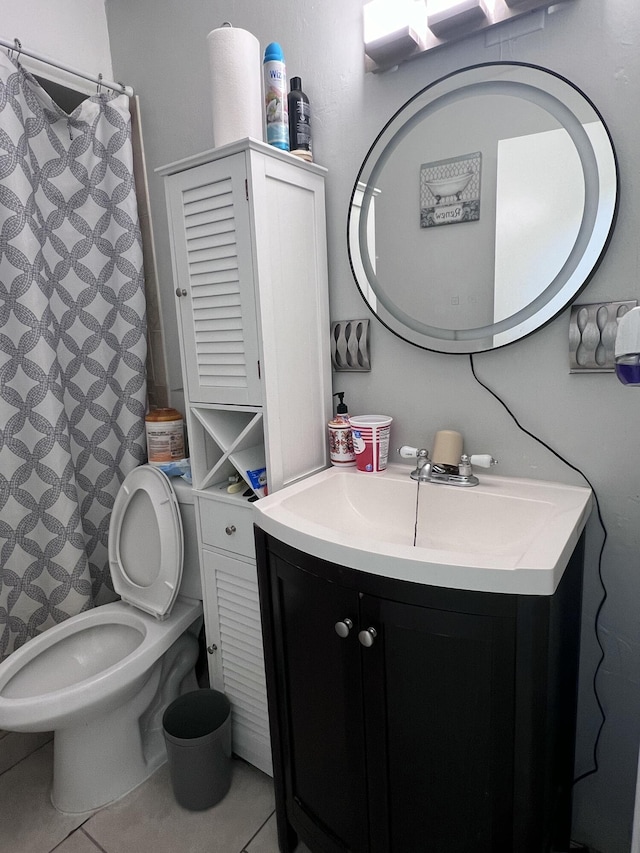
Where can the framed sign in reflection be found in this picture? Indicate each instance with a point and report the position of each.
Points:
(450, 190)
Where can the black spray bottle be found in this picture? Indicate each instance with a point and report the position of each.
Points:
(299, 121)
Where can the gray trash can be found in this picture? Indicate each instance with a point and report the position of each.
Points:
(197, 733)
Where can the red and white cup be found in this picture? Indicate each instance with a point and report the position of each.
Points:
(370, 435)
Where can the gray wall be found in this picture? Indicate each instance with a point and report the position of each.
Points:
(159, 46)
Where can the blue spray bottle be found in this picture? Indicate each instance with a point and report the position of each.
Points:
(275, 97)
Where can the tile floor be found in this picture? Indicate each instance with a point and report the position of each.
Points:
(148, 820)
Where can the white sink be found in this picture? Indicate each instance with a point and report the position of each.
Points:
(508, 534)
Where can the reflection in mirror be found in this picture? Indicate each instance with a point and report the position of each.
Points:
(370, 230)
(482, 208)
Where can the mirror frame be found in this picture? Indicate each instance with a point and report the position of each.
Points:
(583, 260)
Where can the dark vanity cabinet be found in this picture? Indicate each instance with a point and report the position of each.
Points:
(409, 718)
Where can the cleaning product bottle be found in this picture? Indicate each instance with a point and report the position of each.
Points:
(341, 451)
(275, 97)
(165, 436)
(299, 121)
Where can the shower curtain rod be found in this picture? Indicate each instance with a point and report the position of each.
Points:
(16, 47)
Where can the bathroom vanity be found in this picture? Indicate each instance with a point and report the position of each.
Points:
(456, 724)
(406, 715)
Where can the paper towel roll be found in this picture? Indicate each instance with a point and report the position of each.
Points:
(447, 447)
(236, 85)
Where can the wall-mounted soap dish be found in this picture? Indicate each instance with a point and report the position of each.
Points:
(350, 345)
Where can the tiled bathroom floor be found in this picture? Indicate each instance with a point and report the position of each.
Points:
(148, 820)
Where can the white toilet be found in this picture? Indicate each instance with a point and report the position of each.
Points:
(102, 679)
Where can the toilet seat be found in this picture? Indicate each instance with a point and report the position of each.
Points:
(146, 544)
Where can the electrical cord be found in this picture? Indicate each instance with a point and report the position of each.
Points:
(600, 578)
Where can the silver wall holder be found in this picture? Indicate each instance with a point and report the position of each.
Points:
(592, 335)
(350, 345)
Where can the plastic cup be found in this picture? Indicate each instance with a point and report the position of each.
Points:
(371, 441)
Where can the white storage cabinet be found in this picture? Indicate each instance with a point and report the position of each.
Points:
(248, 241)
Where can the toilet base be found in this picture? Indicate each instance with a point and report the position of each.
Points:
(98, 762)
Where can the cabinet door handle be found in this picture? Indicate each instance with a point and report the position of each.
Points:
(367, 636)
(343, 627)
(230, 529)
(180, 291)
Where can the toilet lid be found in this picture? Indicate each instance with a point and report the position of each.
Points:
(146, 545)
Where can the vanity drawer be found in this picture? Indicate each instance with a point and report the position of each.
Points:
(227, 526)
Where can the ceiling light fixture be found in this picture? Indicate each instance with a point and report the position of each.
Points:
(397, 30)
(394, 29)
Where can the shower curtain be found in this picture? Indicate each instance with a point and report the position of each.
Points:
(72, 348)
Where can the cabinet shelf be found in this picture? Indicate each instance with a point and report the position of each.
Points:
(219, 492)
(225, 440)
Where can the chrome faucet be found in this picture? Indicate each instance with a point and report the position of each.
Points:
(427, 471)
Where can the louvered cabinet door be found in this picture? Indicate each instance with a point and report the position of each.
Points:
(215, 285)
(236, 662)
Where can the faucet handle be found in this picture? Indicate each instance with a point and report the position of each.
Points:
(407, 452)
(483, 460)
(422, 460)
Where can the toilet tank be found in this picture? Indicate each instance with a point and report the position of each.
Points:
(191, 585)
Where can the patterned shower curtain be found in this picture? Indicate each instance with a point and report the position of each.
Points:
(72, 348)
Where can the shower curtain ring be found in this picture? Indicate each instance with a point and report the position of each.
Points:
(99, 86)
(17, 49)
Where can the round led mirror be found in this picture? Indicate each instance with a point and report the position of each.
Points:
(483, 207)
